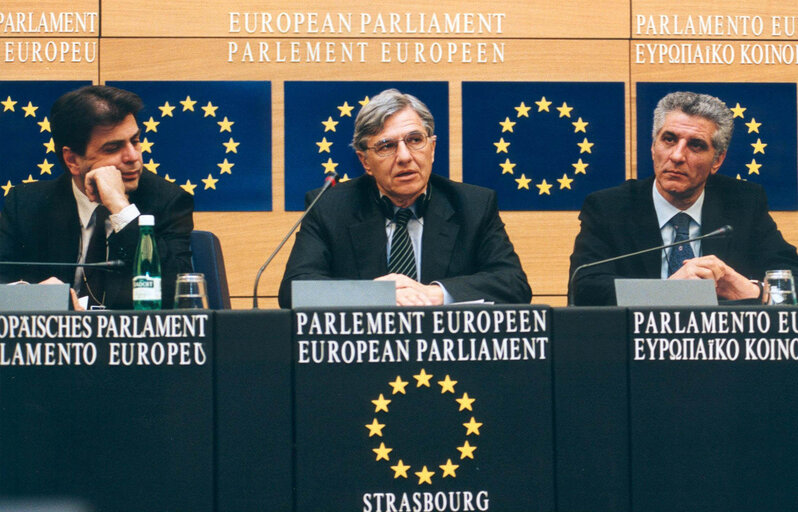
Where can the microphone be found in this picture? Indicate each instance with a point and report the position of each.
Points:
(103, 265)
(722, 231)
(329, 181)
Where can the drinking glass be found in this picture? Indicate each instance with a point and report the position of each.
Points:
(780, 287)
(191, 292)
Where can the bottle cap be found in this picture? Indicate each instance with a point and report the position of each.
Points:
(146, 220)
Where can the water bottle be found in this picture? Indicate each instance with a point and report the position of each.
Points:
(147, 267)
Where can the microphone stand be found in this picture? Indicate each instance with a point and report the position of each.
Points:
(329, 181)
(723, 231)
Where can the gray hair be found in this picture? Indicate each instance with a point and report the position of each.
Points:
(701, 105)
(371, 118)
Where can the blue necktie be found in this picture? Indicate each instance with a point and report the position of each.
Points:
(402, 259)
(680, 253)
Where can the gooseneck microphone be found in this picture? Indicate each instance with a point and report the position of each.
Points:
(722, 231)
(329, 181)
(103, 265)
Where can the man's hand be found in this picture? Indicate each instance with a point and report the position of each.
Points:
(412, 293)
(729, 284)
(104, 185)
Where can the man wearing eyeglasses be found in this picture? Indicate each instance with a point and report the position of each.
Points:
(440, 241)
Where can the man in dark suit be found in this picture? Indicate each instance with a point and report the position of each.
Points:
(683, 199)
(440, 241)
(105, 189)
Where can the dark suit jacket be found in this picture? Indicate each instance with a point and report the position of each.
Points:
(622, 219)
(40, 223)
(464, 244)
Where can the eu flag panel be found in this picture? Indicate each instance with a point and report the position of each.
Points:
(543, 145)
(320, 120)
(423, 409)
(26, 143)
(714, 424)
(763, 147)
(211, 138)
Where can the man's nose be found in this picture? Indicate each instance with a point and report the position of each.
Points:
(130, 152)
(678, 152)
(402, 151)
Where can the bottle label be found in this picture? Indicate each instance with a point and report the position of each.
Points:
(146, 288)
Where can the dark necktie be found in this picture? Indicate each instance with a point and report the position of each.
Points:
(680, 253)
(402, 259)
(94, 282)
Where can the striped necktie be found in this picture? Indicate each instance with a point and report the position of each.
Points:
(680, 253)
(402, 259)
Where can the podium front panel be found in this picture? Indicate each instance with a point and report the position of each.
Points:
(426, 408)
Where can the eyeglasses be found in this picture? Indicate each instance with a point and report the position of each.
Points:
(415, 141)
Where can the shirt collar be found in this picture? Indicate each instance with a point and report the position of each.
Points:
(85, 206)
(666, 211)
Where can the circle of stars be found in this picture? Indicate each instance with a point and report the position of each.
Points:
(29, 110)
(207, 111)
(758, 146)
(543, 106)
(425, 472)
(330, 125)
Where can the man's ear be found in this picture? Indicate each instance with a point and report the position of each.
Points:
(361, 155)
(72, 160)
(718, 161)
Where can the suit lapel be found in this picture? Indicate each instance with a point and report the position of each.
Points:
(63, 238)
(648, 234)
(366, 233)
(438, 239)
(712, 218)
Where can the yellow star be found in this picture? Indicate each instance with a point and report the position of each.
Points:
(381, 404)
(210, 182)
(146, 146)
(152, 166)
(543, 104)
(448, 469)
(329, 124)
(579, 125)
(225, 167)
(507, 167)
(167, 178)
(30, 110)
(507, 125)
(210, 110)
(759, 146)
(346, 110)
(422, 378)
(375, 428)
(364, 101)
(472, 427)
(400, 470)
(45, 125)
(565, 110)
(50, 146)
(501, 146)
(8, 104)
(7, 188)
(344, 179)
(523, 182)
(580, 167)
(324, 146)
(225, 125)
(329, 166)
(188, 104)
(753, 126)
(166, 110)
(231, 145)
(753, 167)
(424, 475)
(399, 385)
(465, 402)
(382, 452)
(584, 146)
(447, 384)
(188, 187)
(29, 179)
(523, 110)
(544, 188)
(152, 125)
(738, 111)
(466, 451)
(45, 167)
(565, 182)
